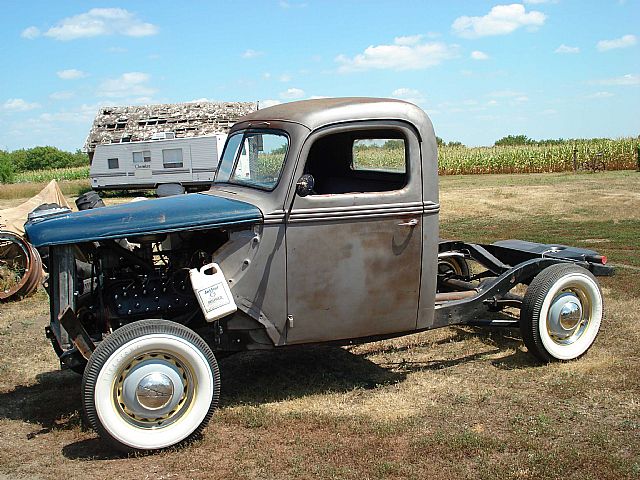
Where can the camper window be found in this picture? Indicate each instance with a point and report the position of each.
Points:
(140, 158)
(113, 163)
(172, 158)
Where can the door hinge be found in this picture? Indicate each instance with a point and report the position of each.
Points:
(290, 321)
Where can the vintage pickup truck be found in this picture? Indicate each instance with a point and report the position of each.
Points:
(321, 226)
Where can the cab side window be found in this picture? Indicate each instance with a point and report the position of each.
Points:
(358, 162)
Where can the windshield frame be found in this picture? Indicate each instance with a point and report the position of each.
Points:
(245, 132)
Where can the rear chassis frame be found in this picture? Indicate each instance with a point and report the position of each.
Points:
(508, 263)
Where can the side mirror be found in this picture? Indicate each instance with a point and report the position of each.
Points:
(305, 184)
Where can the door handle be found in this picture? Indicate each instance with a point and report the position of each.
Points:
(410, 223)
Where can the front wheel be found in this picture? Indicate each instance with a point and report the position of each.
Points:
(150, 385)
(561, 312)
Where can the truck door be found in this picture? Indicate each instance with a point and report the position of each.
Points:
(354, 242)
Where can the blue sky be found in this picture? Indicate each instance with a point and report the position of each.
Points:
(481, 69)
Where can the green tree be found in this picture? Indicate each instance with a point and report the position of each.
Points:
(511, 140)
(41, 158)
(6, 168)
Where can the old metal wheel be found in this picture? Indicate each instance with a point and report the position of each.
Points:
(150, 385)
(561, 313)
(453, 265)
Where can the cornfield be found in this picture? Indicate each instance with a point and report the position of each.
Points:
(39, 176)
(617, 154)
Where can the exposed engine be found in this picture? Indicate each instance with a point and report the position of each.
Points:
(121, 281)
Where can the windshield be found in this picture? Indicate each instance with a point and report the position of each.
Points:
(254, 159)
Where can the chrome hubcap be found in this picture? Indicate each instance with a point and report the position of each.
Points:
(569, 315)
(154, 391)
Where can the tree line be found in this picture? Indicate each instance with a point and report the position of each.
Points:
(38, 158)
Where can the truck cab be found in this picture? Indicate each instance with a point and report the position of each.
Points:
(361, 230)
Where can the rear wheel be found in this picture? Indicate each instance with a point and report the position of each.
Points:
(453, 265)
(150, 385)
(561, 312)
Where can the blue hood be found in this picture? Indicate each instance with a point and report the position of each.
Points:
(162, 215)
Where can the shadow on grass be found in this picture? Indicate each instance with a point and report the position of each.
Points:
(254, 378)
(269, 376)
(499, 338)
(91, 449)
(53, 402)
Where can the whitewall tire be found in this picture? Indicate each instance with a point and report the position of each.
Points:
(150, 385)
(561, 312)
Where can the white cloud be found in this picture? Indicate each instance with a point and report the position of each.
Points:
(268, 103)
(292, 94)
(406, 53)
(408, 94)
(567, 49)
(19, 105)
(601, 95)
(250, 53)
(628, 79)
(30, 33)
(101, 21)
(129, 84)
(622, 42)
(199, 100)
(61, 95)
(284, 78)
(478, 55)
(521, 99)
(501, 20)
(549, 111)
(405, 92)
(408, 40)
(71, 74)
(538, 2)
(78, 115)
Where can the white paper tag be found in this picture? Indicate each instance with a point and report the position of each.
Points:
(213, 297)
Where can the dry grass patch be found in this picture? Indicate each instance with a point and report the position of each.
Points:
(610, 194)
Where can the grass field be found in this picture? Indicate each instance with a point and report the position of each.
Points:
(458, 402)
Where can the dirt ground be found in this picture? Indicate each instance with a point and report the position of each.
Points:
(458, 402)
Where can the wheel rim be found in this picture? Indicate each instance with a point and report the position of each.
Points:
(154, 390)
(570, 314)
(447, 266)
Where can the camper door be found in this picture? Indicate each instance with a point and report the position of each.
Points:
(142, 164)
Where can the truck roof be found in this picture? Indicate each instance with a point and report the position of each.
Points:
(321, 112)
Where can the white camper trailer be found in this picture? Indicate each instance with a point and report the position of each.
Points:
(190, 162)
